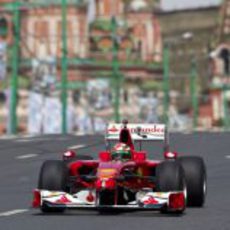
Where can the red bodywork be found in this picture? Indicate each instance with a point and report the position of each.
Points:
(109, 174)
(108, 182)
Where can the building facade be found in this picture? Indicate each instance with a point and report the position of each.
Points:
(138, 36)
(220, 62)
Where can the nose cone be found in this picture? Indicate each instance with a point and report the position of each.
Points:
(107, 175)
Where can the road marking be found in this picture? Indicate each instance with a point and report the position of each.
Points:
(23, 140)
(26, 156)
(7, 137)
(33, 139)
(13, 212)
(76, 147)
(228, 156)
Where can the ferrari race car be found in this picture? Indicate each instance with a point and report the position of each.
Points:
(123, 177)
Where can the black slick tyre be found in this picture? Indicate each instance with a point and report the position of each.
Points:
(196, 180)
(169, 178)
(53, 177)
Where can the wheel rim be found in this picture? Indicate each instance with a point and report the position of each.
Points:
(185, 192)
(205, 187)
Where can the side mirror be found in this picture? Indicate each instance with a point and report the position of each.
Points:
(68, 155)
(170, 155)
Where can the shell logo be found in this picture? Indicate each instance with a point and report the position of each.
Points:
(63, 200)
(150, 201)
(107, 173)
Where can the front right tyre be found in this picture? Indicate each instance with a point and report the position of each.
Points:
(196, 180)
(169, 178)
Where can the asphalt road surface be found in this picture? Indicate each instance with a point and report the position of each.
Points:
(21, 159)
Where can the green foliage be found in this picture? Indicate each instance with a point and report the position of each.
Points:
(23, 83)
(152, 86)
(101, 24)
(3, 84)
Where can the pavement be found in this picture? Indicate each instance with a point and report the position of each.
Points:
(21, 159)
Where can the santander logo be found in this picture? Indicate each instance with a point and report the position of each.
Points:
(154, 129)
(144, 129)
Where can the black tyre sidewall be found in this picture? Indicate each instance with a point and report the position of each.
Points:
(53, 176)
(169, 177)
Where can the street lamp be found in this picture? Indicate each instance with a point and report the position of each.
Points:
(14, 78)
(64, 65)
(166, 82)
(116, 74)
(193, 91)
(193, 79)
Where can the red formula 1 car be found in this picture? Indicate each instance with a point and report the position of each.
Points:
(123, 177)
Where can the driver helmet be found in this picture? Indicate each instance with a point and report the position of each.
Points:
(121, 151)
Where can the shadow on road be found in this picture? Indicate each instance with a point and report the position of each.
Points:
(146, 214)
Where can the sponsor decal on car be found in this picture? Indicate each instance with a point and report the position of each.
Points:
(107, 173)
(137, 131)
(63, 200)
(150, 200)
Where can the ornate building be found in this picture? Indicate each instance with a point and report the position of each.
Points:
(220, 70)
(138, 28)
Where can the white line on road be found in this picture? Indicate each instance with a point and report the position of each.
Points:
(76, 146)
(26, 156)
(33, 139)
(23, 140)
(228, 156)
(13, 212)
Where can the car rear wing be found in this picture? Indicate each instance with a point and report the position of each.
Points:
(139, 132)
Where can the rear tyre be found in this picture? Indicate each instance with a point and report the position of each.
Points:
(170, 177)
(53, 177)
(196, 181)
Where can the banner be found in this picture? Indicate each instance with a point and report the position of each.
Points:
(52, 116)
(45, 115)
(35, 113)
(3, 64)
